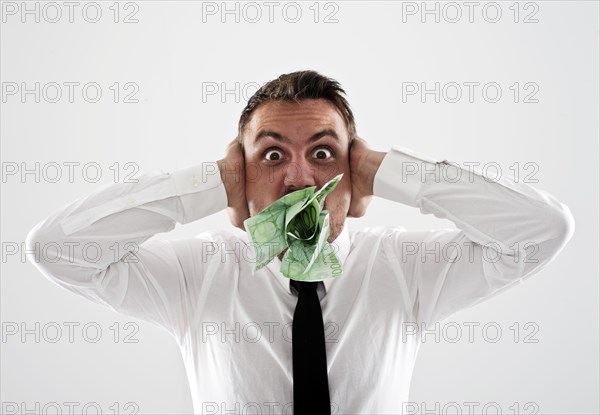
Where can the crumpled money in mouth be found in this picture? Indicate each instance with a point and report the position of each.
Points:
(298, 222)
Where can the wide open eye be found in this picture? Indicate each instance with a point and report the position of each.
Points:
(272, 155)
(322, 153)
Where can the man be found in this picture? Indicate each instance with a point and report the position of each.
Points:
(233, 324)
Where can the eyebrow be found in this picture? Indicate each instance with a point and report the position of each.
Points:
(279, 137)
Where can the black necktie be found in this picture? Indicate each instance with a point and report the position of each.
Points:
(311, 387)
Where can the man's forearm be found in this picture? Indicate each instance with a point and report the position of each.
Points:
(507, 216)
(118, 218)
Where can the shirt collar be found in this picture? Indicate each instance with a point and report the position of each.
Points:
(341, 246)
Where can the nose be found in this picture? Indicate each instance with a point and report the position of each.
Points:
(299, 174)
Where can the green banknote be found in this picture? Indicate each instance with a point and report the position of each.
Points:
(298, 222)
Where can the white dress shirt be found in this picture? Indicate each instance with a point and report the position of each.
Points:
(233, 325)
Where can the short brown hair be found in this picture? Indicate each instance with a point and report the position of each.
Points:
(298, 86)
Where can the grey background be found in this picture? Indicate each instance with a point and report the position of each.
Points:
(170, 52)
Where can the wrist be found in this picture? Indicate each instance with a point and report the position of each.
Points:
(369, 165)
(228, 177)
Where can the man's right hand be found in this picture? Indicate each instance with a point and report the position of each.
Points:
(232, 169)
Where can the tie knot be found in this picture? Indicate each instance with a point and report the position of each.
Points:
(304, 286)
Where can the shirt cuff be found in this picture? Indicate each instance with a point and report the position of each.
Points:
(201, 190)
(400, 176)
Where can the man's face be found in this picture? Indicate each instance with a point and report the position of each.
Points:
(290, 146)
